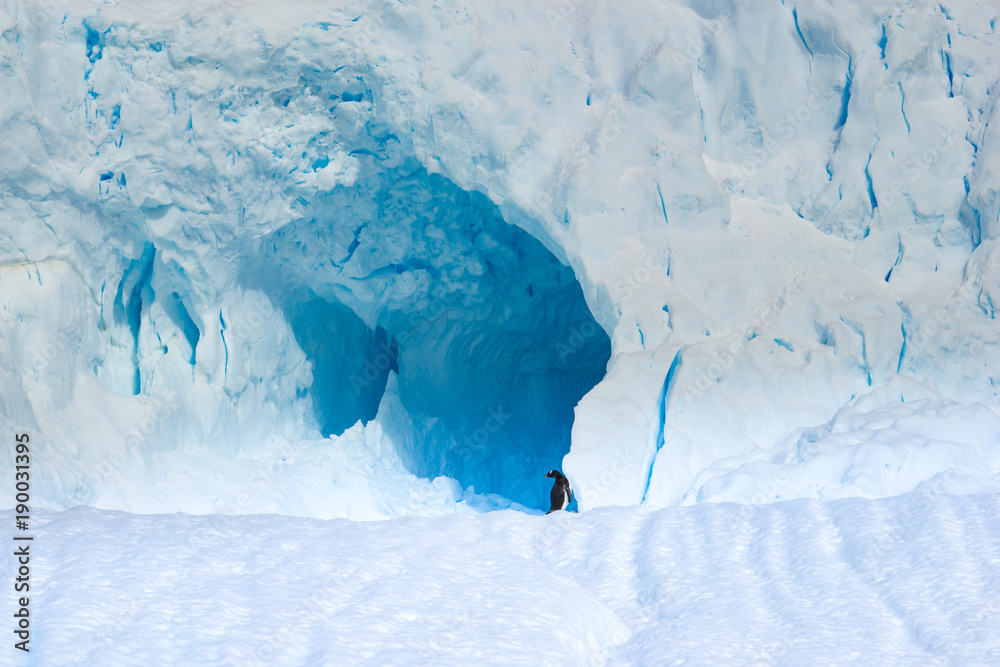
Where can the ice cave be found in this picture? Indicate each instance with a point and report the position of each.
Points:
(368, 263)
(486, 333)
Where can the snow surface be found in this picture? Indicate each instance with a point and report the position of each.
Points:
(271, 270)
(427, 251)
(912, 580)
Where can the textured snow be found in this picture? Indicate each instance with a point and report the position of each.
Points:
(912, 580)
(696, 247)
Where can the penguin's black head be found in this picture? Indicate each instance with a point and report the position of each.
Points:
(554, 473)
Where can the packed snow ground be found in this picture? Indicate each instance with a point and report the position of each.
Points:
(910, 580)
(778, 213)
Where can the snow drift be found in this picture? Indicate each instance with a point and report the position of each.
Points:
(378, 259)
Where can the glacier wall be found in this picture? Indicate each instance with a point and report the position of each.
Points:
(759, 239)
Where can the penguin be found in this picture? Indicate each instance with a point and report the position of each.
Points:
(561, 493)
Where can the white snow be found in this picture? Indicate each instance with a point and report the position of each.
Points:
(912, 580)
(287, 268)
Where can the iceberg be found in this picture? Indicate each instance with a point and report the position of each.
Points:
(376, 259)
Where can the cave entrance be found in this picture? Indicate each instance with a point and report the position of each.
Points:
(491, 384)
(493, 343)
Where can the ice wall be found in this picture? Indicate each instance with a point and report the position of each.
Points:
(232, 230)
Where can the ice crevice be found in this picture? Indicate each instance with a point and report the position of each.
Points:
(798, 29)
